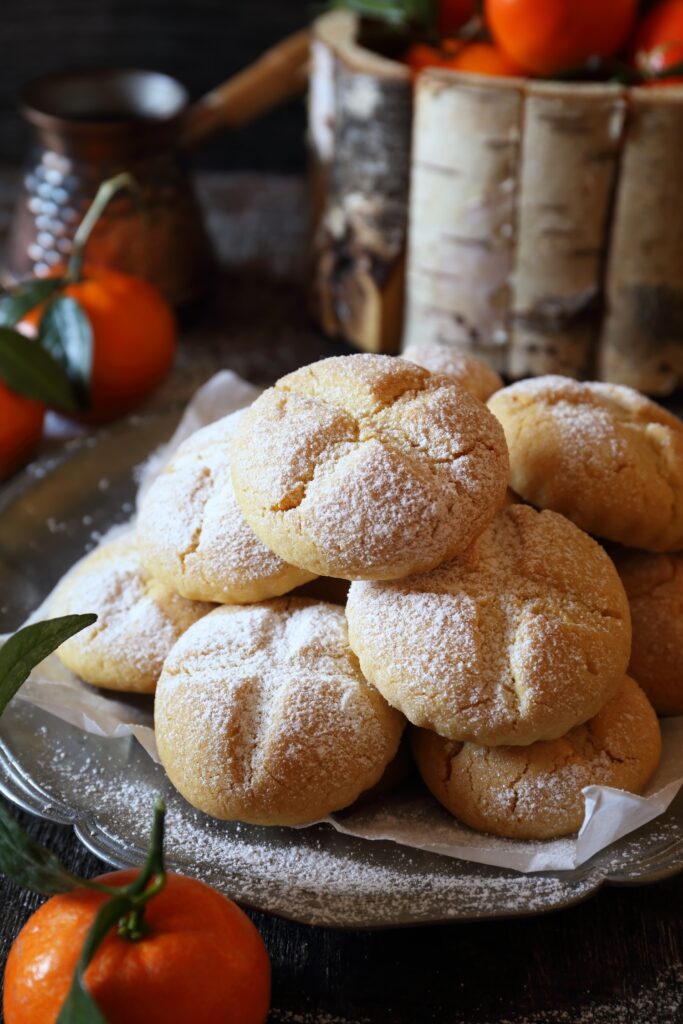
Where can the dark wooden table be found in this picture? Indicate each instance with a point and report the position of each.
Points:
(617, 959)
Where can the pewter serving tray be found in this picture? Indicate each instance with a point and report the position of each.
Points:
(105, 788)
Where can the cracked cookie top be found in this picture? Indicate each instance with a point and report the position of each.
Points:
(192, 535)
(460, 366)
(262, 714)
(521, 638)
(138, 618)
(368, 467)
(603, 455)
(535, 792)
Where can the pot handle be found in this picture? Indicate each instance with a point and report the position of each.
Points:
(279, 74)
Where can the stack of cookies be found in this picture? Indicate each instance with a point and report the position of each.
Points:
(499, 631)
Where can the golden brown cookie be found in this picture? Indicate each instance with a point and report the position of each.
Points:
(603, 455)
(262, 715)
(192, 535)
(521, 638)
(138, 619)
(654, 585)
(535, 792)
(439, 357)
(368, 467)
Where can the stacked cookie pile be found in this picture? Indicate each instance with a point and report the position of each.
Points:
(500, 632)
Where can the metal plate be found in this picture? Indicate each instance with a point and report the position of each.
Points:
(105, 788)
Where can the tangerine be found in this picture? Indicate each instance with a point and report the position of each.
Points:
(658, 41)
(134, 337)
(479, 58)
(483, 59)
(547, 37)
(21, 428)
(200, 960)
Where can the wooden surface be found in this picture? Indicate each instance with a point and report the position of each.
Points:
(617, 959)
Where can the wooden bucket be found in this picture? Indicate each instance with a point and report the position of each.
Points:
(545, 222)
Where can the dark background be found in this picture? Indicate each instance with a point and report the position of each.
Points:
(201, 42)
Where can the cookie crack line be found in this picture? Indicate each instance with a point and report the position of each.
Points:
(328, 399)
(204, 482)
(290, 504)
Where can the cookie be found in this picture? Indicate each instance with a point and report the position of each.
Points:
(603, 455)
(262, 715)
(535, 792)
(438, 357)
(654, 585)
(139, 619)
(192, 535)
(521, 638)
(368, 467)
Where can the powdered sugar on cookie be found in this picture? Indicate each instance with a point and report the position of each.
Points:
(262, 714)
(521, 638)
(192, 535)
(368, 467)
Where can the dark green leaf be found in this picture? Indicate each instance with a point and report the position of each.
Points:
(80, 1007)
(65, 332)
(27, 369)
(400, 13)
(26, 297)
(28, 863)
(29, 646)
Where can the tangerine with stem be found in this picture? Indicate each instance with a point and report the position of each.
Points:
(197, 958)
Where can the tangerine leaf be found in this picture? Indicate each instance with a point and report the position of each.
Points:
(28, 863)
(399, 13)
(65, 332)
(29, 370)
(26, 297)
(26, 648)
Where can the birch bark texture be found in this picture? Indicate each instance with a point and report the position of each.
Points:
(568, 168)
(642, 337)
(512, 192)
(464, 166)
(360, 127)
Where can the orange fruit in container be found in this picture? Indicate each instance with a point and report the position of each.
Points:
(483, 59)
(548, 37)
(199, 960)
(479, 58)
(21, 428)
(658, 42)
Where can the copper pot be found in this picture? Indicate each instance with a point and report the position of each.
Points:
(91, 125)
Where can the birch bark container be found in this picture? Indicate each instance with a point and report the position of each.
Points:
(545, 219)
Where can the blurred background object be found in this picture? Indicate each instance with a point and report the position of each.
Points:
(200, 42)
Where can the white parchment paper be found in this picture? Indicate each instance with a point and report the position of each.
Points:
(409, 816)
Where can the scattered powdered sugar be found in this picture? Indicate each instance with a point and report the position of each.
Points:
(312, 874)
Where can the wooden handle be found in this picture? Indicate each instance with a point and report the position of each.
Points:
(279, 74)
